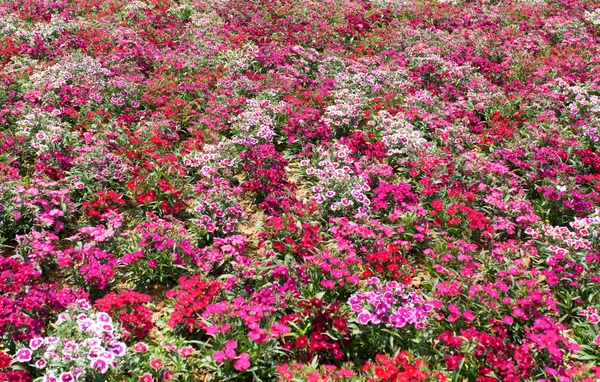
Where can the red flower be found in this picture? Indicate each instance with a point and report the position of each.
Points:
(437, 205)
(452, 361)
(4, 360)
(147, 197)
(301, 342)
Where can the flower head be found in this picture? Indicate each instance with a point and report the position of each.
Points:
(242, 363)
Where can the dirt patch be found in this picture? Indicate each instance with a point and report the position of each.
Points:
(252, 227)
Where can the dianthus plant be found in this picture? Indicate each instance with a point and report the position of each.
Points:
(337, 187)
(80, 345)
(391, 304)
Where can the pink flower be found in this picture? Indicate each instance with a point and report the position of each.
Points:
(24, 355)
(597, 340)
(131, 257)
(35, 343)
(219, 356)
(345, 373)
(146, 378)
(230, 353)
(186, 351)
(242, 363)
(152, 263)
(468, 315)
(156, 363)
(67, 377)
(140, 347)
(455, 313)
(364, 317)
(278, 329)
(258, 335)
(118, 348)
(105, 318)
(212, 330)
(100, 364)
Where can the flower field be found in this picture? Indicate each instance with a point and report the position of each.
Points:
(299, 190)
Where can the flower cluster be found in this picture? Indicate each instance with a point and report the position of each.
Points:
(131, 312)
(391, 304)
(323, 330)
(336, 184)
(192, 296)
(21, 287)
(82, 343)
(398, 368)
(217, 207)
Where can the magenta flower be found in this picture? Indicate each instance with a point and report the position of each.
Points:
(257, 335)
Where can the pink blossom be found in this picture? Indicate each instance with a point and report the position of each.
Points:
(242, 363)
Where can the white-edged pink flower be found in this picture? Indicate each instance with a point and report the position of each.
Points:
(104, 318)
(107, 328)
(51, 354)
(156, 363)
(118, 348)
(35, 343)
(93, 342)
(85, 324)
(140, 347)
(107, 356)
(24, 355)
(66, 377)
(99, 364)
(84, 304)
(94, 353)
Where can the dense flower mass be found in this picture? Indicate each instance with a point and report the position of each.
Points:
(299, 190)
(83, 345)
(390, 304)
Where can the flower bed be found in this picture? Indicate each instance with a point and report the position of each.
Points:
(359, 190)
